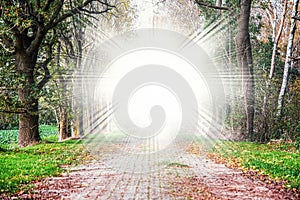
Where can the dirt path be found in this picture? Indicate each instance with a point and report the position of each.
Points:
(188, 177)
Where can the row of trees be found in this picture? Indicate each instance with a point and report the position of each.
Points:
(43, 44)
(267, 53)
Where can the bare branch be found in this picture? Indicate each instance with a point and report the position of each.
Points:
(47, 5)
(282, 21)
(56, 13)
(37, 40)
(212, 6)
(5, 48)
(47, 75)
(90, 11)
(90, 16)
(53, 23)
(294, 58)
(296, 18)
(55, 20)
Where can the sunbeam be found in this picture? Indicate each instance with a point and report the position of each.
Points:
(133, 87)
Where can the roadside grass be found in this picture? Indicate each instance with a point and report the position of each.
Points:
(278, 161)
(19, 167)
(11, 136)
(22, 166)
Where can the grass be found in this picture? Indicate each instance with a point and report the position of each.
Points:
(279, 161)
(177, 164)
(11, 136)
(21, 166)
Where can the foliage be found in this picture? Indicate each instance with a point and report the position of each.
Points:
(8, 82)
(29, 35)
(11, 136)
(286, 127)
(281, 161)
(8, 121)
(212, 15)
(21, 166)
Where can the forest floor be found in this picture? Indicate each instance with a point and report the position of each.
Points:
(189, 176)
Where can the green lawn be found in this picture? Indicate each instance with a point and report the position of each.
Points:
(23, 165)
(279, 161)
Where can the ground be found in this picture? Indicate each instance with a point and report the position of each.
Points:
(188, 176)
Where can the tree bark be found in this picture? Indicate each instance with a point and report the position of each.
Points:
(28, 121)
(244, 59)
(63, 107)
(28, 126)
(77, 107)
(288, 61)
(63, 124)
(78, 99)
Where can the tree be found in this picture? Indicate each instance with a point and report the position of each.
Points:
(277, 38)
(61, 84)
(75, 112)
(244, 57)
(276, 35)
(116, 22)
(288, 59)
(245, 63)
(29, 28)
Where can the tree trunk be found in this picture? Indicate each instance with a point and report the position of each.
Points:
(274, 23)
(29, 120)
(63, 106)
(288, 61)
(63, 124)
(79, 98)
(63, 110)
(244, 59)
(77, 107)
(276, 40)
(29, 126)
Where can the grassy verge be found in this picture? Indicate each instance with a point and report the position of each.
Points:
(279, 161)
(22, 166)
(11, 136)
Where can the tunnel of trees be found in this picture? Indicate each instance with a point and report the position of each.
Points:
(43, 44)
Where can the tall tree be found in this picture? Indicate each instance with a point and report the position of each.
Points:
(288, 59)
(27, 26)
(245, 63)
(275, 39)
(76, 111)
(244, 57)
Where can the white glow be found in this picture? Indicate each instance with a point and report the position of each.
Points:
(150, 95)
(141, 57)
(143, 99)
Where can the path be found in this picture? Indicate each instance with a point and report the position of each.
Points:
(190, 176)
